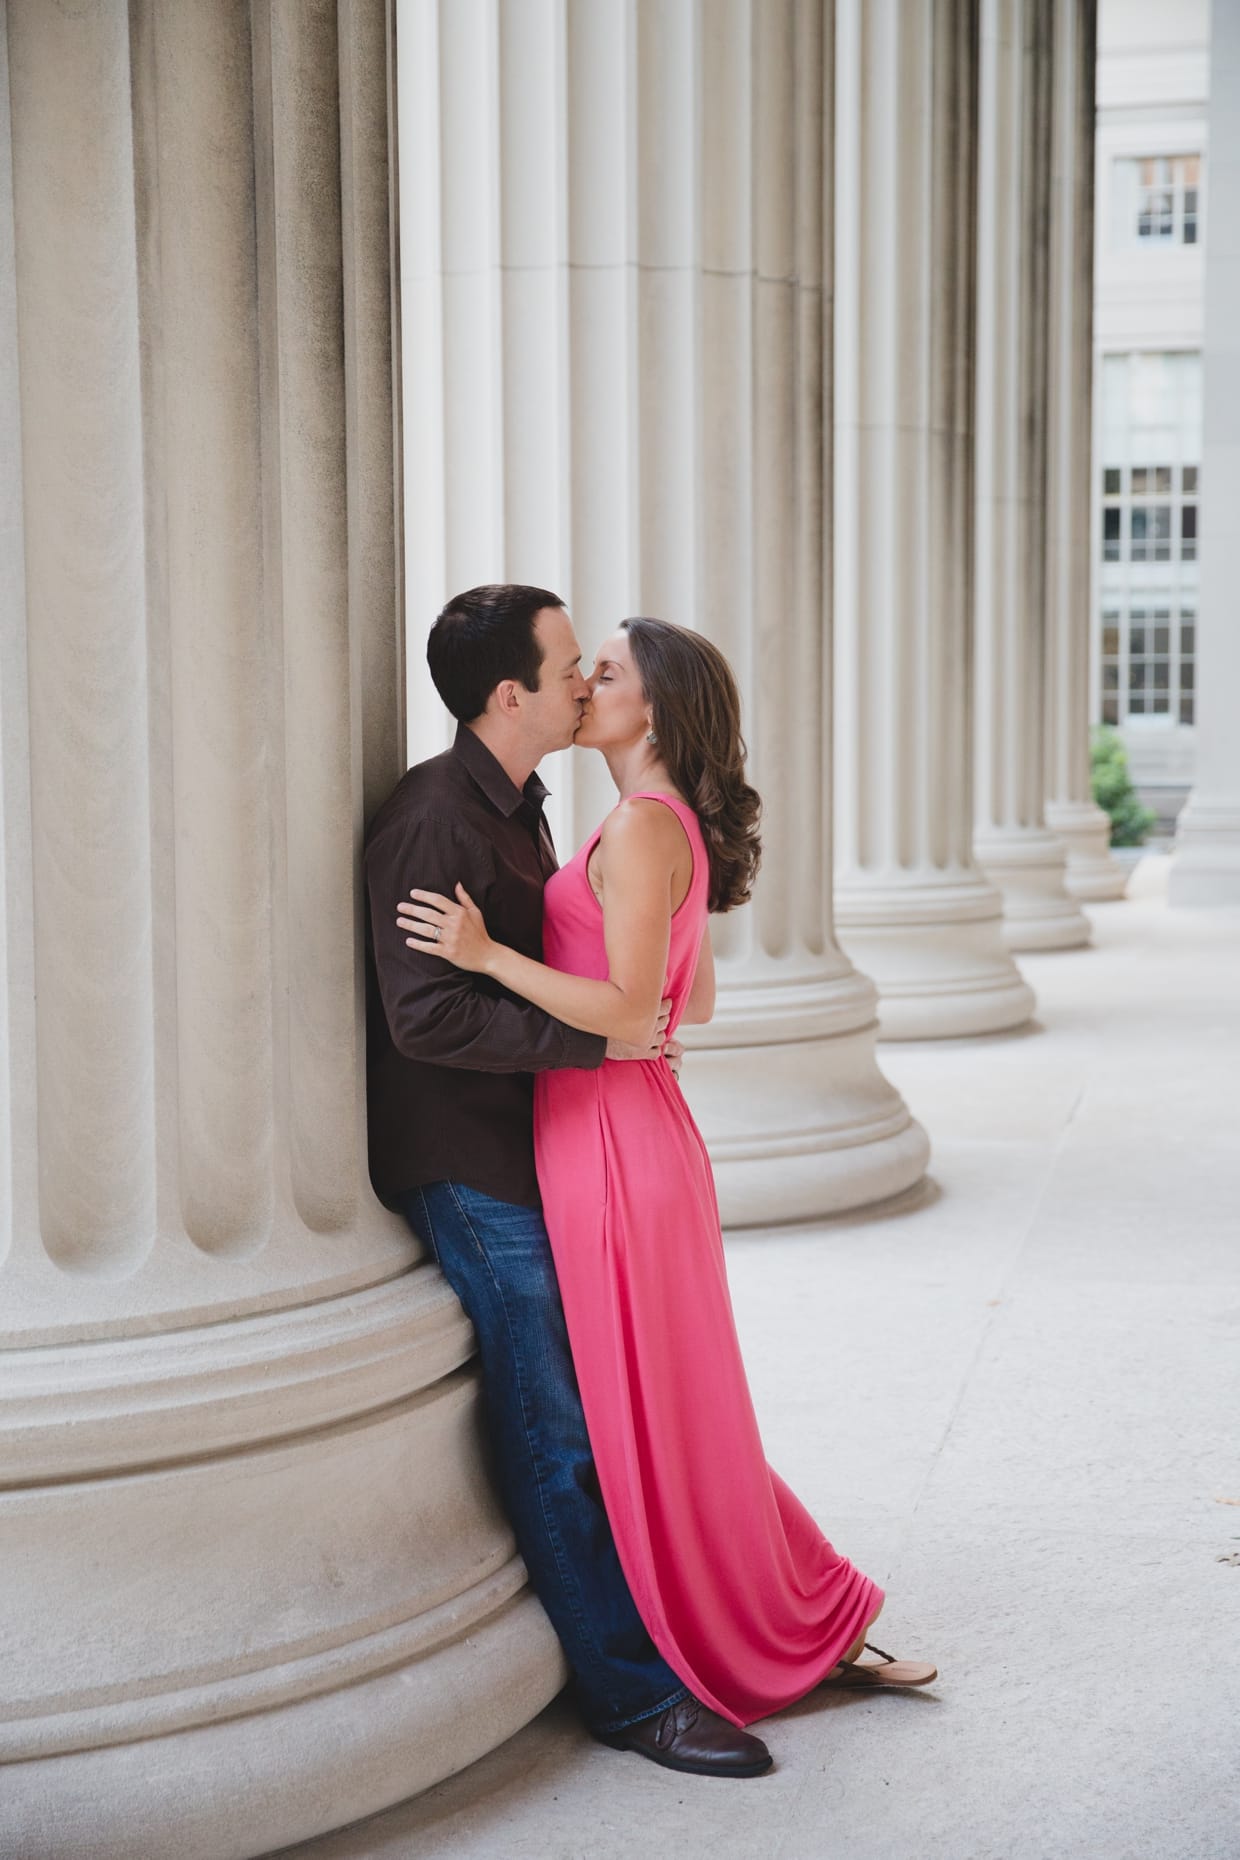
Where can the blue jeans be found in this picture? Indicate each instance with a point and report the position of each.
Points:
(497, 1258)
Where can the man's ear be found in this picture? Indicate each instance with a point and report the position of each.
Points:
(506, 698)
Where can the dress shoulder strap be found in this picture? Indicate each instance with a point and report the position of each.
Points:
(668, 800)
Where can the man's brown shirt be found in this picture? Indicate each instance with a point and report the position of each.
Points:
(449, 1054)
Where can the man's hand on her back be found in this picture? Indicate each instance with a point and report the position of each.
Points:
(619, 1049)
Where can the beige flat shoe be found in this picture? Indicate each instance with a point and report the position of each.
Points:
(885, 1672)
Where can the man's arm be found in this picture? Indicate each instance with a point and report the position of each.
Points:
(443, 1015)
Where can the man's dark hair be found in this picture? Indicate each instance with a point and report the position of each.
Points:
(483, 637)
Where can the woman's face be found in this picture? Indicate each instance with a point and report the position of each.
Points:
(617, 714)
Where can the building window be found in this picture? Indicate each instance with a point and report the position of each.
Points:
(1158, 200)
(1149, 488)
(1148, 659)
(1149, 513)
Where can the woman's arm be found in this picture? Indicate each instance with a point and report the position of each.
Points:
(701, 1003)
(640, 848)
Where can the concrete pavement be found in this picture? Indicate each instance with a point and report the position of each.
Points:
(1014, 1399)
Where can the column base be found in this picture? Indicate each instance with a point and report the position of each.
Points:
(799, 1121)
(1027, 866)
(936, 952)
(1093, 873)
(1205, 870)
(283, 1599)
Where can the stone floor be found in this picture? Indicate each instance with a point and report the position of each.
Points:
(1014, 1400)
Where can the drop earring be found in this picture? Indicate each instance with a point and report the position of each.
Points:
(651, 737)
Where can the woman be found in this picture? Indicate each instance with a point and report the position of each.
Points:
(741, 1593)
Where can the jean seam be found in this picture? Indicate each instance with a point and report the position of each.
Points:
(567, 1579)
(641, 1717)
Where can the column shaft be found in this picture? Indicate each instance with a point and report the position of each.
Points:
(799, 1119)
(666, 213)
(1011, 841)
(244, 1524)
(912, 908)
(1206, 869)
(1071, 812)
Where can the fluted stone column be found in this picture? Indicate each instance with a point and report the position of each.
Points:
(1206, 868)
(254, 1581)
(912, 908)
(1072, 814)
(618, 273)
(1011, 839)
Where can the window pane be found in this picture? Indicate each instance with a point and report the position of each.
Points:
(1140, 476)
(1136, 675)
(1111, 481)
(1110, 677)
(1160, 706)
(1186, 674)
(1188, 520)
(1162, 681)
(1110, 710)
(1160, 524)
(1136, 641)
(1140, 518)
(1110, 641)
(1191, 169)
(1186, 710)
(1162, 639)
(1162, 478)
(1190, 229)
(1187, 635)
(1136, 706)
(1190, 479)
(1161, 552)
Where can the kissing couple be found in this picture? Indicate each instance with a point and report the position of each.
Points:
(526, 1117)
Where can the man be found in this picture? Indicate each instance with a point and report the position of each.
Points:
(450, 1058)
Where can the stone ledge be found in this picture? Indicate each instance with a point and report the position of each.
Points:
(123, 1404)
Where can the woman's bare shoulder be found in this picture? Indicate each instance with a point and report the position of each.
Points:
(641, 822)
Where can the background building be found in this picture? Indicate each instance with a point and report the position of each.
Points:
(1151, 229)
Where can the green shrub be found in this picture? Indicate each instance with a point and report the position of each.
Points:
(1113, 789)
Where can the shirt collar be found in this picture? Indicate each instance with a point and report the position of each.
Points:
(499, 788)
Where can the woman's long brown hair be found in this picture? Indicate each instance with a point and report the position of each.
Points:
(696, 713)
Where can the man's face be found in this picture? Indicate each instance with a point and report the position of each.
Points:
(553, 712)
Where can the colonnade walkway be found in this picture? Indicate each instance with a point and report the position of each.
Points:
(1015, 1400)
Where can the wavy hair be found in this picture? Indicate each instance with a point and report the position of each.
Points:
(696, 712)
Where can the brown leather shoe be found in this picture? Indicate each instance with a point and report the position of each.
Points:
(689, 1737)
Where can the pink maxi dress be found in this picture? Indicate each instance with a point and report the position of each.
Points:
(739, 1589)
